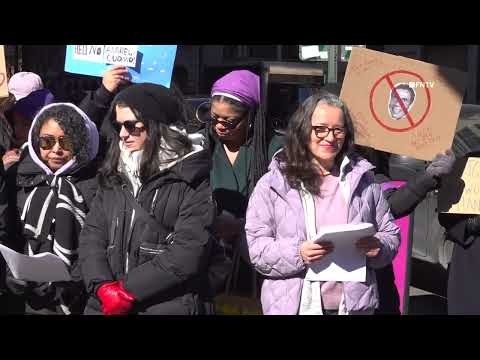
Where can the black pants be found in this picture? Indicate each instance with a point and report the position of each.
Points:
(387, 292)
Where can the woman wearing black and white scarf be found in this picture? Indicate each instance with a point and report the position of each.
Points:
(54, 183)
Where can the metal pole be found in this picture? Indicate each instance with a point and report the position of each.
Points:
(471, 96)
(332, 64)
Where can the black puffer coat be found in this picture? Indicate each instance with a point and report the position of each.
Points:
(165, 265)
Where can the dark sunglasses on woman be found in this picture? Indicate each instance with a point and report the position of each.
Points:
(229, 125)
(130, 126)
(47, 142)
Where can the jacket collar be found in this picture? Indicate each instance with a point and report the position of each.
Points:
(352, 167)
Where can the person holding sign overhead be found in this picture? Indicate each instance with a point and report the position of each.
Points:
(50, 190)
(96, 103)
(317, 170)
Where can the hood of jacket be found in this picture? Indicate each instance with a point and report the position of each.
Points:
(92, 144)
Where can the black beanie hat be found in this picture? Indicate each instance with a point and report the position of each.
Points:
(154, 102)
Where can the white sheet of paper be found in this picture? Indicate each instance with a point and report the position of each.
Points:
(345, 262)
(44, 267)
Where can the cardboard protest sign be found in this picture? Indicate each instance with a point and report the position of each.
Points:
(460, 192)
(400, 105)
(146, 63)
(3, 74)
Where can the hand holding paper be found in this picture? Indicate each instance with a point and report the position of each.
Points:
(369, 245)
(346, 263)
(44, 267)
(311, 251)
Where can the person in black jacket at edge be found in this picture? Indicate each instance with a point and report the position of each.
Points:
(146, 242)
(463, 292)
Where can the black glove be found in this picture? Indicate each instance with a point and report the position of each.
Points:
(442, 164)
(473, 225)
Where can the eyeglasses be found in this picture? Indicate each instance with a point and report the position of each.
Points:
(323, 131)
(130, 126)
(229, 125)
(47, 142)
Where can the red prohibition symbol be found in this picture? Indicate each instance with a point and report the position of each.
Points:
(413, 123)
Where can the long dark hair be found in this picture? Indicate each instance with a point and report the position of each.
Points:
(258, 130)
(149, 166)
(296, 159)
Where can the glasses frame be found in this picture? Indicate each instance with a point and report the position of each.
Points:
(335, 131)
(130, 126)
(60, 140)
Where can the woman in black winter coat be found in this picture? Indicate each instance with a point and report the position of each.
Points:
(49, 191)
(146, 243)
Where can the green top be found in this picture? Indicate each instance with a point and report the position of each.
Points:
(230, 182)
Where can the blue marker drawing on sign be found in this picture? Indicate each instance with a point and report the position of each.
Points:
(153, 63)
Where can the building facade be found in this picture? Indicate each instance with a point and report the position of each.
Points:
(197, 66)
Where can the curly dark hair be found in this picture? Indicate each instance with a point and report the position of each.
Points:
(73, 125)
(296, 159)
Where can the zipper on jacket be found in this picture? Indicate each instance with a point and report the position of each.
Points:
(113, 232)
(130, 231)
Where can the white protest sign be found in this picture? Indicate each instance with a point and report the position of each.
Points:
(125, 55)
(461, 189)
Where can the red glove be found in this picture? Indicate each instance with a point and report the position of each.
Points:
(115, 299)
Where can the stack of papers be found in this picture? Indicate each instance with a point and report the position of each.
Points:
(345, 262)
(44, 267)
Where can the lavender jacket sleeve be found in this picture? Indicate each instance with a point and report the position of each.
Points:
(388, 232)
(273, 243)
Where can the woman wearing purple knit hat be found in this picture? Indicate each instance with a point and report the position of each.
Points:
(242, 144)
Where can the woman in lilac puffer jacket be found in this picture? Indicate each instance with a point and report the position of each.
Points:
(317, 167)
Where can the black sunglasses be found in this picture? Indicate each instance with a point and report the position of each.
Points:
(130, 126)
(46, 142)
(230, 125)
